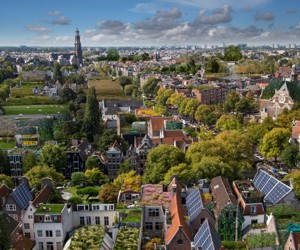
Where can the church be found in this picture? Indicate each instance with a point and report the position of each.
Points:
(275, 106)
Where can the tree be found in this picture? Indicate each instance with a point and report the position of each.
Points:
(290, 155)
(107, 138)
(150, 86)
(124, 81)
(128, 181)
(159, 160)
(7, 180)
(37, 173)
(88, 192)
(78, 178)
(108, 193)
(274, 142)
(232, 53)
(57, 74)
(125, 167)
(68, 94)
(182, 170)
(91, 162)
(95, 176)
(75, 200)
(112, 55)
(4, 163)
(175, 99)
(231, 101)
(296, 181)
(256, 132)
(163, 95)
(53, 156)
(29, 161)
(191, 107)
(228, 122)
(212, 65)
(91, 119)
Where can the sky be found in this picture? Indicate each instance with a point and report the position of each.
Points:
(110, 23)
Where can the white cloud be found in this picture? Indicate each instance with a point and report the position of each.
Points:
(37, 28)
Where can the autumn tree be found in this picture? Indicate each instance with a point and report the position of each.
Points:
(95, 176)
(274, 142)
(37, 173)
(108, 193)
(159, 160)
(53, 156)
(150, 86)
(6, 180)
(163, 95)
(91, 119)
(175, 99)
(128, 181)
(227, 122)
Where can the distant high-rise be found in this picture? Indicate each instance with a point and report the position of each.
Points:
(78, 51)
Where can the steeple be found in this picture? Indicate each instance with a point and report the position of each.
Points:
(78, 51)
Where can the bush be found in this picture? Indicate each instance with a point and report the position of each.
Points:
(239, 245)
(282, 211)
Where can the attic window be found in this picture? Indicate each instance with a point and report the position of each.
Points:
(180, 242)
(48, 218)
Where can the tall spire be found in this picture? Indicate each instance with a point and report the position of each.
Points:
(78, 51)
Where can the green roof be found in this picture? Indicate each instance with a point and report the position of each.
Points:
(50, 209)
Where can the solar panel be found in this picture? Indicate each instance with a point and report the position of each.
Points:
(194, 203)
(207, 237)
(273, 189)
(22, 195)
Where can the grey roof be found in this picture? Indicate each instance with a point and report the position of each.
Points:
(194, 203)
(123, 103)
(22, 195)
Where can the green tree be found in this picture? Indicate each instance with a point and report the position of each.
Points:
(57, 74)
(78, 178)
(274, 142)
(88, 192)
(91, 162)
(75, 200)
(112, 55)
(125, 167)
(175, 99)
(7, 180)
(150, 86)
(191, 107)
(159, 160)
(124, 81)
(95, 176)
(109, 193)
(296, 181)
(68, 94)
(163, 95)
(232, 53)
(182, 170)
(228, 122)
(256, 132)
(37, 173)
(91, 119)
(29, 161)
(212, 65)
(4, 163)
(53, 156)
(290, 155)
(231, 101)
(107, 138)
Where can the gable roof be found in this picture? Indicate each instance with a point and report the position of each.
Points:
(222, 193)
(43, 196)
(273, 189)
(9, 222)
(22, 195)
(146, 141)
(4, 192)
(177, 212)
(207, 237)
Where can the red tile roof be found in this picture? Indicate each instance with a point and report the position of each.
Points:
(178, 222)
(296, 130)
(157, 123)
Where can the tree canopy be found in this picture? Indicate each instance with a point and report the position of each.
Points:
(53, 156)
(232, 53)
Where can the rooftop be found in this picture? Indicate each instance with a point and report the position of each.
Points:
(50, 208)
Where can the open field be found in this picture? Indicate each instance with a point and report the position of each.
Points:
(35, 109)
(107, 88)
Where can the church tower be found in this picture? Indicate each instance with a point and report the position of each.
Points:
(78, 51)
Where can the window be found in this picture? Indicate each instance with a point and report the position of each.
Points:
(57, 233)
(40, 233)
(50, 246)
(153, 212)
(41, 246)
(180, 242)
(28, 235)
(254, 221)
(252, 209)
(80, 207)
(148, 226)
(48, 218)
(29, 216)
(49, 233)
(81, 220)
(158, 226)
(97, 220)
(58, 245)
(106, 220)
(26, 226)
(96, 207)
(88, 220)
(11, 207)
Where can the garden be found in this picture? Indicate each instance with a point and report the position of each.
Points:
(127, 239)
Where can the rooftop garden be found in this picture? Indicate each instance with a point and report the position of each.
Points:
(50, 208)
(153, 195)
(134, 214)
(127, 238)
(87, 237)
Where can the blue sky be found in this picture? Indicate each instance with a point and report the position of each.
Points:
(144, 23)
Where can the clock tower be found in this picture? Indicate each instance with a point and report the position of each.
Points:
(78, 51)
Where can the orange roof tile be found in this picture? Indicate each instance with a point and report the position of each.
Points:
(177, 212)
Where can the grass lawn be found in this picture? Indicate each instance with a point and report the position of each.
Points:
(106, 88)
(7, 144)
(35, 109)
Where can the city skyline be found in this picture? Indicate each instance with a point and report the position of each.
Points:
(149, 23)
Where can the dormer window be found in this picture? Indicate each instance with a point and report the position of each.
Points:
(48, 218)
(11, 207)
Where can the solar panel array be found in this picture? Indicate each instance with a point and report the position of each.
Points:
(194, 203)
(22, 195)
(207, 237)
(273, 189)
